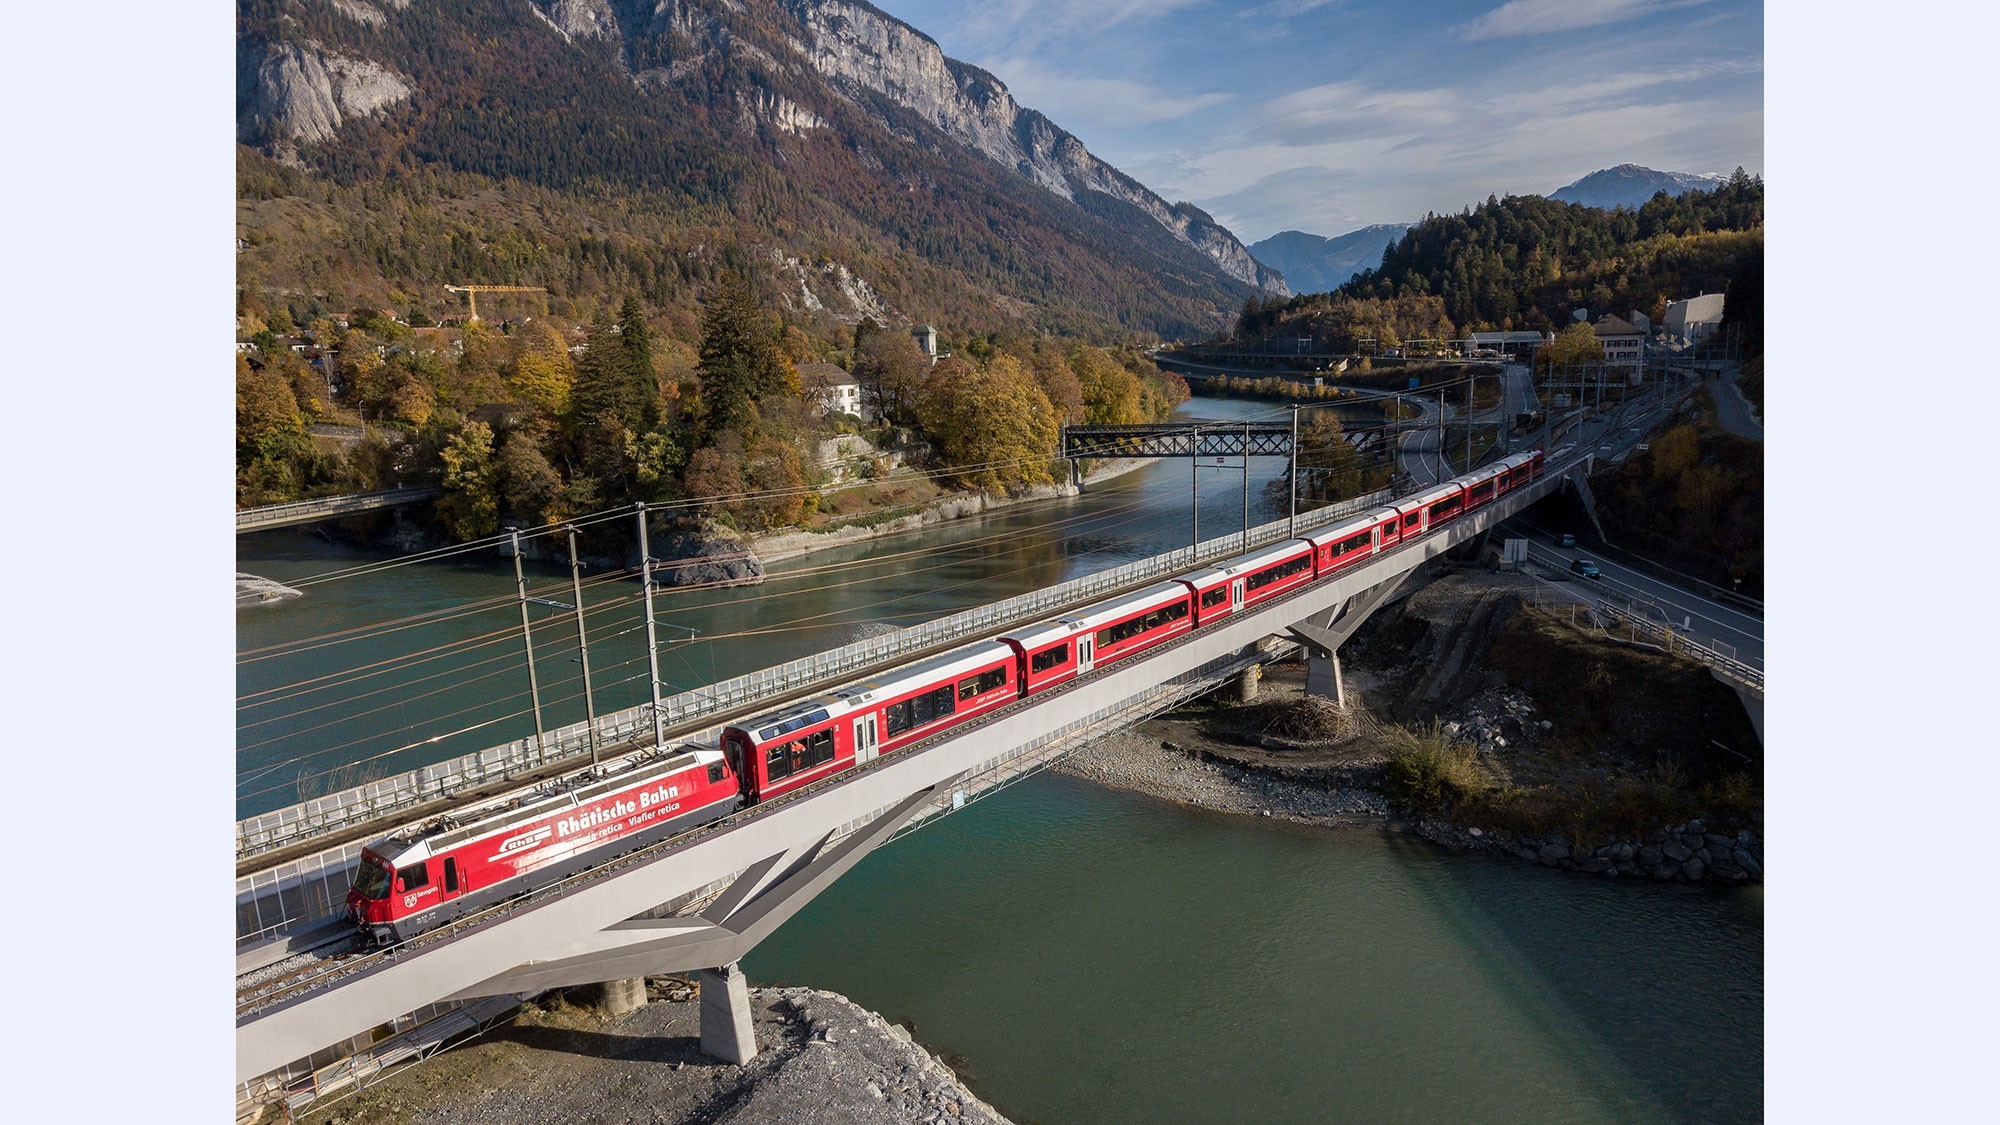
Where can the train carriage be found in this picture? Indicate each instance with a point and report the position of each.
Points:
(791, 747)
(1067, 647)
(1271, 571)
(1217, 591)
(1351, 541)
(930, 696)
(411, 882)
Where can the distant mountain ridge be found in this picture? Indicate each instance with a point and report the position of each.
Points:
(1314, 264)
(1630, 186)
(825, 131)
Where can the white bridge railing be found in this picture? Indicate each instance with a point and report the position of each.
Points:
(377, 800)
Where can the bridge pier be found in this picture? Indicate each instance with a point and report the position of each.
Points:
(727, 1032)
(1324, 632)
(619, 997)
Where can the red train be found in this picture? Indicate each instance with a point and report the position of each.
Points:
(409, 883)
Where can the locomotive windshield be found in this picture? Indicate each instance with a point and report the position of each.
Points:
(371, 880)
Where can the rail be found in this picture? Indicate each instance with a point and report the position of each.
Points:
(281, 828)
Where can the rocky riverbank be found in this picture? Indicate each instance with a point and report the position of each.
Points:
(1555, 767)
(822, 1058)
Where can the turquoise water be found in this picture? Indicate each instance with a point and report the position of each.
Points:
(1098, 956)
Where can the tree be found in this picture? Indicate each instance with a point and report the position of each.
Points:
(890, 369)
(993, 419)
(1576, 344)
(269, 427)
(740, 360)
(542, 375)
(529, 485)
(470, 505)
(1112, 395)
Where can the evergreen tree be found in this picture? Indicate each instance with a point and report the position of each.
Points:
(740, 360)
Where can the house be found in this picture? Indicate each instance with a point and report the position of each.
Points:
(1624, 345)
(835, 390)
(1693, 320)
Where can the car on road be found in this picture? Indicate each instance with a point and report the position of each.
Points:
(1567, 540)
(1585, 567)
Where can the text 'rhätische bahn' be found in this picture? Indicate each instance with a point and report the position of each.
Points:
(409, 883)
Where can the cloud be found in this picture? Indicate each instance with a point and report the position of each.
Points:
(1019, 26)
(1072, 100)
(1534, 17)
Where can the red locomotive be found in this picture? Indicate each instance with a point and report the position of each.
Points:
(409, 883)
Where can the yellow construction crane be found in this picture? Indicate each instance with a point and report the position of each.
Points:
(472, 295)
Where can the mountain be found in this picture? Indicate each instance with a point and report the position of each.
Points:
(588, 145)
(1629, 185)
(1312, 264)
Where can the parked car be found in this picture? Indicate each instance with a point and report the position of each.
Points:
(1584, 567)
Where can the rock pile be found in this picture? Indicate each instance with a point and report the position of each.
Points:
(1689, 853)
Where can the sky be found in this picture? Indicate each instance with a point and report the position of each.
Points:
(1330, 115)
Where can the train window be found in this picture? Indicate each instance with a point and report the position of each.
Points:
(451, 875)
(1279, 573)
(372, 880)
(714, 772)
(1043, 661)
(982, 683)
(920, 709)
(1351, 543)
(819, 748)
(1410, 521)
(778, 763)
(414, 876)
(1215, 597)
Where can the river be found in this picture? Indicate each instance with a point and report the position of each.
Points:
(1091, 954)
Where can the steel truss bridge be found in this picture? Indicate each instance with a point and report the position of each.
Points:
(700, 901)
(1198, 439)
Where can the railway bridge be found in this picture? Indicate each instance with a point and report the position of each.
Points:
(308, 1019)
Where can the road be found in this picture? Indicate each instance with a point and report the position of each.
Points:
(1728, 630)
(1732, 410)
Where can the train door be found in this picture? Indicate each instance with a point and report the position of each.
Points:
(1236, 593)
(452, 883)
(1086, 651)
(864, 739)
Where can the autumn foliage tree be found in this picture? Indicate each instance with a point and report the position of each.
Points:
(993, 421)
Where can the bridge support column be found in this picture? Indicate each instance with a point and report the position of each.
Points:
(1076, 474)
(620, 997)
(1247, 683)
(1324, 632)
(726, 1029)
(1323, 678)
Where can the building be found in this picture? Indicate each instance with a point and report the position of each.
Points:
(926, 341)
(1624, 345)
(835, 389)
(1514, 345)
(1693, 320)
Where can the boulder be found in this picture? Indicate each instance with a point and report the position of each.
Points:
(1748, 862)
(1551, 854)
(1594, 864)
(1694, 870)
(1676, 851)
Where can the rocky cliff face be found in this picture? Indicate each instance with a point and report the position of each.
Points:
(862, 49)
(303, 93)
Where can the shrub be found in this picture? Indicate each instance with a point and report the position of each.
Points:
(1428, 772)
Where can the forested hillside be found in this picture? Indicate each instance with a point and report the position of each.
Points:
(409, 146)
(1527, 262)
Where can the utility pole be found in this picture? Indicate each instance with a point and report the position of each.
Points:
(652, 643)
(583, 649)
(1194, 494)
(1246, 486)
(1292, 520)
(1469, 381)
(527, 641)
